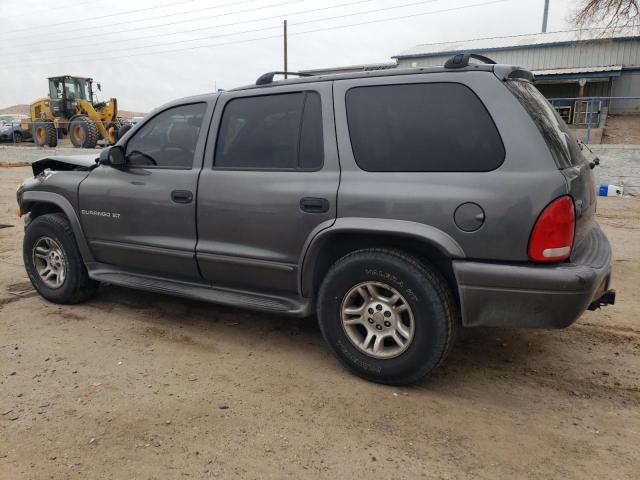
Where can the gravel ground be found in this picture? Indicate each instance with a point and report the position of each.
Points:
(145, 386)
(27, 153)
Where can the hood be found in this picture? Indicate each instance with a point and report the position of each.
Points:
(75, 162)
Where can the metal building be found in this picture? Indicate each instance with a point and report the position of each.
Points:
(575, 63)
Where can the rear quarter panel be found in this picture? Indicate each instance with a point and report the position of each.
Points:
(512, 196)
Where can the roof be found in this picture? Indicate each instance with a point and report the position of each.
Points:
(521, 41)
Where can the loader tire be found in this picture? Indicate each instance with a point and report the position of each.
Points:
(113, 130)
(44, 133)
(83, 132)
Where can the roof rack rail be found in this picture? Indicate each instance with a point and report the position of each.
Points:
(461, 60)
(268, 77)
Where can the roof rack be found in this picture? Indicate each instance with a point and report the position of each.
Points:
(268, 77)
(461, 60)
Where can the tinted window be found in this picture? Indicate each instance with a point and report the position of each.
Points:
(561, 143)
(430, 127)
(275, 131)
(168, 139)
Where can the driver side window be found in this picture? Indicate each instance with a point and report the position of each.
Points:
(168, 140)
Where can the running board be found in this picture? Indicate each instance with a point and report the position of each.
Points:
(298, 307)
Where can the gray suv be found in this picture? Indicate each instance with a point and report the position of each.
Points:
(397, 205)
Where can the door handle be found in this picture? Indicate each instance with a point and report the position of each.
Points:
(182, 196)
(314, 205)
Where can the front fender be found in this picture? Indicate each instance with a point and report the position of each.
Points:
(373, 226)
(30, 198)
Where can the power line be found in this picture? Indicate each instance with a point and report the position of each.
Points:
(402, 17)
(109, 15)
(75, 4)
(189, 20)
(208, 37)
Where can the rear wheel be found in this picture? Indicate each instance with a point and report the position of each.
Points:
(53, 261)
(83, 132)
(386, 316)
(44, 133)
(17, 137)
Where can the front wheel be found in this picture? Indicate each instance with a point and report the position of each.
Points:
(386, 316)
(53, 261)
(83, 132)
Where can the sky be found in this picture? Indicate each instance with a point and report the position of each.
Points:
(148, 52)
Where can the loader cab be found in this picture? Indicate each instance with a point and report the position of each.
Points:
(65, 92)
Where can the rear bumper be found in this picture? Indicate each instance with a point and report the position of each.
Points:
(535, 296)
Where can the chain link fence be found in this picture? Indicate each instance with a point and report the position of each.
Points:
(81, 132)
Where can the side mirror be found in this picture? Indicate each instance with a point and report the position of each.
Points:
(99, 86)
(113, 156)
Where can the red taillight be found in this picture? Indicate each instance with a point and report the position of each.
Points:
(552, 236)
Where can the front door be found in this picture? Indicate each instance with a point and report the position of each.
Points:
(142, 217)
(269, 183)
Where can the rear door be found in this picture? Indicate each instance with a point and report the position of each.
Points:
(142, 217)
(269, 183)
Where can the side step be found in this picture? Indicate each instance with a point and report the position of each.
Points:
(298, 307)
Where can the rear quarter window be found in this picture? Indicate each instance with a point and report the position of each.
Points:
(562, 145)
(424, 127)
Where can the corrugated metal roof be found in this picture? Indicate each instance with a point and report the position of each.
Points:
(520, 41)
(571, 71)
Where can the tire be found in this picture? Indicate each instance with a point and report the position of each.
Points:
(44, 133)
(53, 231)
(17, 137)
(113, 132)
(431, 310)
(83, 133)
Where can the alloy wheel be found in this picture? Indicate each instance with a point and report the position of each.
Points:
(49, 262)
(377, 320)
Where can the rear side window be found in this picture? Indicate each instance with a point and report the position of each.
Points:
(271, 132)
(426, 127)
(564, 148)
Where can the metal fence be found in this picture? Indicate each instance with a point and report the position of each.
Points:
(587, 112)
(12, 131)
(17, 132)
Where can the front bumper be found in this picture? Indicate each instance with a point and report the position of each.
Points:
(536, 296)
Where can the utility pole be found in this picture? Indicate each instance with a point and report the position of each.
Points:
(545, 15)
(285, 49)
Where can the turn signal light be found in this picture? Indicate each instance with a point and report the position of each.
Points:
(552, 236)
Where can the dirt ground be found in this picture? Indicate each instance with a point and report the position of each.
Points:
(145, 386)
(622, 129)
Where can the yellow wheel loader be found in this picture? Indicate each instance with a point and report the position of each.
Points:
(71, 110)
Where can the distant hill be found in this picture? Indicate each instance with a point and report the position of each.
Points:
(24, 109)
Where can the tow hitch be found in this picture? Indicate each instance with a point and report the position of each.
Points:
(607, 298)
